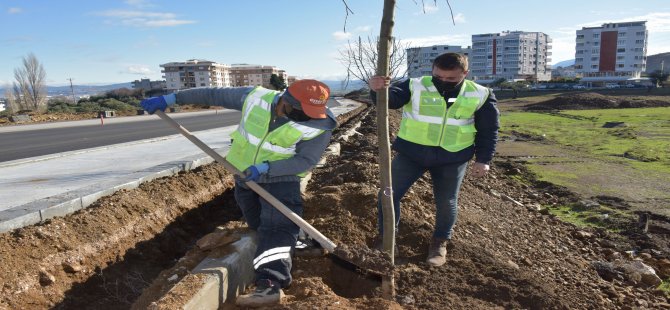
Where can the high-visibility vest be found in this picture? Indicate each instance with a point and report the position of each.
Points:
(253, 144)
(427, 121)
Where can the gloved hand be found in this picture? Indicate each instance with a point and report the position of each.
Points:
(158, 103)
(255, 171)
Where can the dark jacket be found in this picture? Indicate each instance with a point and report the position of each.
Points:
(308, 153)
(486, 122)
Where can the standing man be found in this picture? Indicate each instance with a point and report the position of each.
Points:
(281, 136)
(446, 121)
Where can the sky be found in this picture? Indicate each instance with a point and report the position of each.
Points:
(118, 41)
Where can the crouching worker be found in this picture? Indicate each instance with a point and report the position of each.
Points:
(281, 136)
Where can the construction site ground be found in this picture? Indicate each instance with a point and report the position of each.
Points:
(508, 252)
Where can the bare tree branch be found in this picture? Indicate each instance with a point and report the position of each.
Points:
(450, 10)
(360, 59)
(347, 10)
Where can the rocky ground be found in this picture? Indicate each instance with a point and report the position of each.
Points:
(507, 252)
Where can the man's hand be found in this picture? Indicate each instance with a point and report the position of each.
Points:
(158, 103)
(255, 171)
(377, 83)
(480, 169)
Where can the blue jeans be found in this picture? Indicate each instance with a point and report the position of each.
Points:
(277, 235)
(447, 179)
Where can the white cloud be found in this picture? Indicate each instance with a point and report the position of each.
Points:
(363, 29)
(428, 8)
(459, 18)
(340, 36)
(14, 10)
(138, 70)
(457, 39)
(143, 19)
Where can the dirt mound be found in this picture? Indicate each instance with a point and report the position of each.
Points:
(591, 100)
(506, 252)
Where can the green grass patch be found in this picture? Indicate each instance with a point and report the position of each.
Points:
(642, 140)
(665, 287)
(601, 216)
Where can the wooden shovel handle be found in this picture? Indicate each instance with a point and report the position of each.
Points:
(309, 229)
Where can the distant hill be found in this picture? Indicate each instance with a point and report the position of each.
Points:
(564, 63)
(80, 90)
(338, 87)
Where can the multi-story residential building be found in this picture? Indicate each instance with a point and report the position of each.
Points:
(290, 79)
(567, 72)
(613, 52)
(658, 62)
(195, 73)
(147, 84)
(254, 75)
(512, 55)
(420, 59)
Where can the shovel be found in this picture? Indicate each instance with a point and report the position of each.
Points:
(373, 261)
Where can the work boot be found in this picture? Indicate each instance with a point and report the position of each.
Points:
(266, 293)
(437, 252)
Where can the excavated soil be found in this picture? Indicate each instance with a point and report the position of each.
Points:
(590, 100)
(507, 253)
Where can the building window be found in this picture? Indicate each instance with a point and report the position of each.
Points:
(580, 36)
(594, 66)
(594, 58)
(622, 34)
(620, 65)
(639, 33)
(596, 35)
(595, 51)
(639, 41)
(620, 50)
(621, 42)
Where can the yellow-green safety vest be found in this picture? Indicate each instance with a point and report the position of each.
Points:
(252, 143)
(427, 121)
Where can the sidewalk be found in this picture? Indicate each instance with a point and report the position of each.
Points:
(38, 188)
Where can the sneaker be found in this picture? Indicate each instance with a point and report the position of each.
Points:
(437, 252)
(266, 293)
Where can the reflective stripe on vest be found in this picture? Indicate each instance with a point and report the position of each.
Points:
(252, 141)
(427, 121)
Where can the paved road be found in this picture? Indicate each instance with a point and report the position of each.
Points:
(45, 139)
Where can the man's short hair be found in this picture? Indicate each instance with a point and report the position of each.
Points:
(451, 61)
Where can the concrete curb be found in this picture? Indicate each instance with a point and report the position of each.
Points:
(214, 281)
(70, 202)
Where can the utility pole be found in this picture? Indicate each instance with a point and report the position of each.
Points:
(74, 101)
(662, 63)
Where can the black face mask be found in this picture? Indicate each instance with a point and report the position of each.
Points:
(297, 115)
(443, 86)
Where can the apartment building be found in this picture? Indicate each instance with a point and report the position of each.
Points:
(420, 59)
(147, 84)
(512, 55)
(613, 52)
(255, 75)
(195, 73)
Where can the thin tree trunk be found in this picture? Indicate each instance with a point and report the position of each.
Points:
(385, 33)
